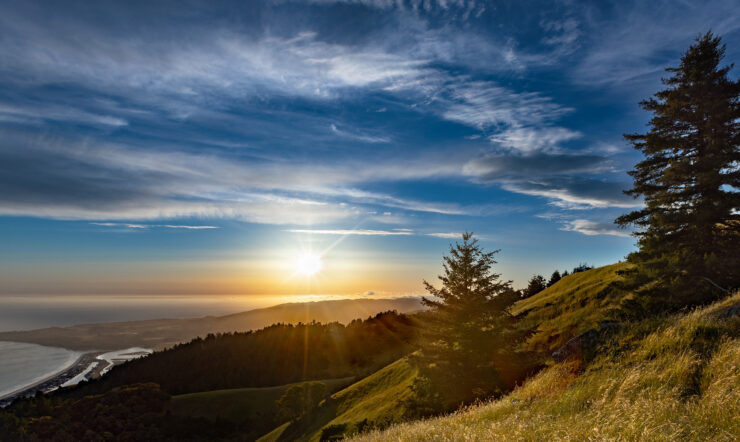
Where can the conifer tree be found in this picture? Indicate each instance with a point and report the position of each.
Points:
(537, 283)
(468, 350)
(689, 229)
(555, 277)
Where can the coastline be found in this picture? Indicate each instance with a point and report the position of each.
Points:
(45, 379)
(81, 366)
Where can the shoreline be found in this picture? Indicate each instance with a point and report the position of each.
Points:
(45, 379)
(104, 361)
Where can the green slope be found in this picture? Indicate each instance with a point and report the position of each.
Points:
(666, 378)
(576, 303)
(238, 405)
(375, 401)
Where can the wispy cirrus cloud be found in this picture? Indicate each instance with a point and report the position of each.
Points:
(59, 178)
(40, 114)
(534, 139)
(355, 232)
(483, 104)
(576, 193)
(151, 226)
(447, 235)
(365, 138)
(592, 228)
(637, 50)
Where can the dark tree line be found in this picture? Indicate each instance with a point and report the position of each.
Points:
(538, 283)
(276, 355)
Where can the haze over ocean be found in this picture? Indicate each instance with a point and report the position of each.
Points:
(32, 312)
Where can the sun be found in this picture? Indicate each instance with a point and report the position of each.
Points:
(308, 263)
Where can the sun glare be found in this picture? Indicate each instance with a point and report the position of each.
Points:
(308, 263)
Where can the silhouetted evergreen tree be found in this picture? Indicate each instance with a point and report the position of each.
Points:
(468, 350)
(689, 228)
(537, 283)
(582, 267)
(555, 277)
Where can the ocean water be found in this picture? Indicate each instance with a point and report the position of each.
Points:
(32, 311)
(25, 364)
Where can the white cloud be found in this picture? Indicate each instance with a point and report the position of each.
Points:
(591, 228)
(534, 139)
(150, 226)
(126, 225)
(561, 33)
(170, 226)
(359, 136)
(448, 235)
(650, 36)
(576, 193)
(485, 104)
(31, 114)
(358, 232)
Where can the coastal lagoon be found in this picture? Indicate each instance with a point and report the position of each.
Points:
(24, 364)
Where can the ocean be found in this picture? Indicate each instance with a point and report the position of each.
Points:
(30, 312)
(25, 364)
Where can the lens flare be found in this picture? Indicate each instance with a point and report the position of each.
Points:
(308, 263)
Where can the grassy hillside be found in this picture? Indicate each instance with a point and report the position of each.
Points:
(576, 303)
(375, 401)
(671, 378)
(238, 405)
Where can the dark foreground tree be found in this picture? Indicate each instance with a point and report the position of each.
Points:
(469, 347)
(301, 400)
(689, 229)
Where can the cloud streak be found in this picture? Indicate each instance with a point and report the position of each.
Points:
(592, 228)
(352, 232)
(151, 226)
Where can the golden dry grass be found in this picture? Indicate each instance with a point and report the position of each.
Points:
(665, 379)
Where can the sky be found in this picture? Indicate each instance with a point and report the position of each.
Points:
(190, 147)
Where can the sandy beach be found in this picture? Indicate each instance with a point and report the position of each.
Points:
(37, 383)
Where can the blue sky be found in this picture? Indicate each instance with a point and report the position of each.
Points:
(193, 147)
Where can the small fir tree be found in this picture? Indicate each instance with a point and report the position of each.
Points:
(555, 277)
(469, 347)
(537, 283)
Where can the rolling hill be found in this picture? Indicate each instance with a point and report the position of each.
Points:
(375, 401)
(160, 333)
(669, 377)
(251, 409)
(576, 303)
(664, 378)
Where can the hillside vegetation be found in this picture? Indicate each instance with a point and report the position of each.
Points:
(276, 355)
(252, 410)
(668, 378)
(374, 402)
(576, 303)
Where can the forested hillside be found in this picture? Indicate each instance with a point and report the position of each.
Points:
(276, 355)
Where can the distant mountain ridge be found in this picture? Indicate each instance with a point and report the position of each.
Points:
(161, 333)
